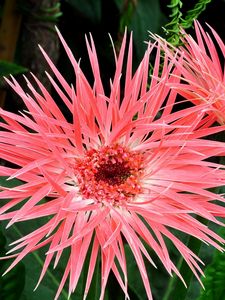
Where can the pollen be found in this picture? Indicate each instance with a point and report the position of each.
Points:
(110, 173)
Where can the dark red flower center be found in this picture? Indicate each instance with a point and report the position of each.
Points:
(111, 173)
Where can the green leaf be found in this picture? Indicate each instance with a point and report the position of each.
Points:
(9, 183)
(7, 68)
(134, 278)
(90, 9)
(215, 276)
(12, 284)
(147, 17)
(119, 4)
(95, 287)
(33, 262)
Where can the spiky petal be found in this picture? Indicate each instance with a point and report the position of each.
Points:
(201, 65)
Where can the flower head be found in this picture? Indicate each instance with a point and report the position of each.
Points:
(126, 169)
(201, 64)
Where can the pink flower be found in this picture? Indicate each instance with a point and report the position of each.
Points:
(126, 169)
(202, 67)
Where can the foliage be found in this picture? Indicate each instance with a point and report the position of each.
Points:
(180, 20)
(20, 282)
(11, 285)
(215, 276)
(7, 68)
(194, 13)
(140, 17)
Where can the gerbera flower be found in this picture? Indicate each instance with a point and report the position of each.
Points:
(126, 169)
(201, 65)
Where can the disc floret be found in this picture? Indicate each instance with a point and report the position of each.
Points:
(111, 173)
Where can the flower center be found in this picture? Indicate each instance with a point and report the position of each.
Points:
(111, 173)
